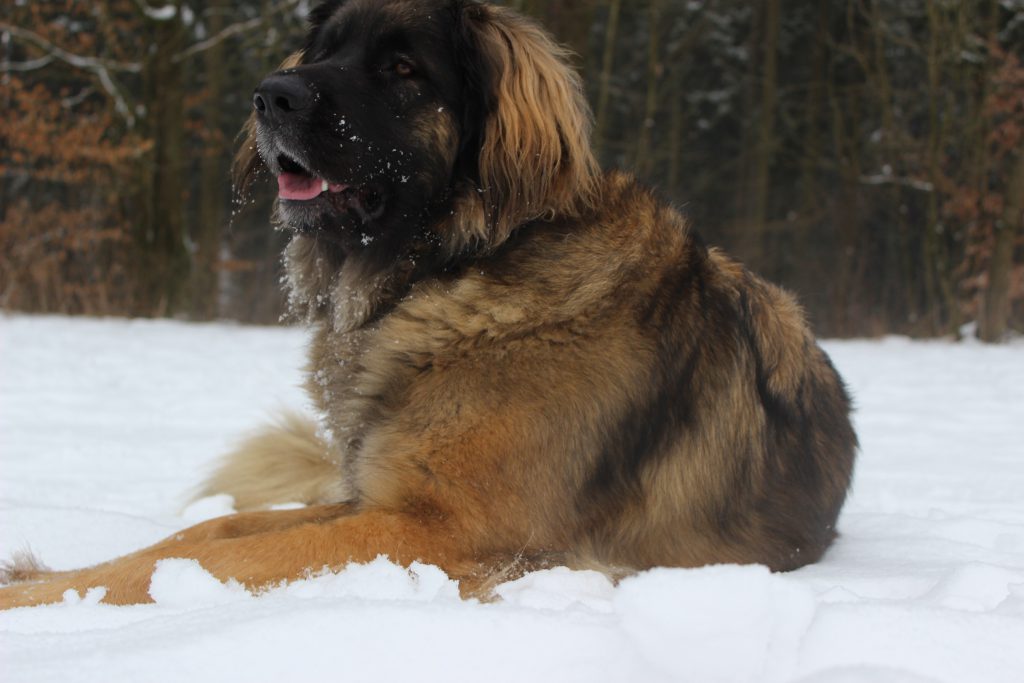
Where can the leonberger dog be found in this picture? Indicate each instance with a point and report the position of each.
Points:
(519, 360)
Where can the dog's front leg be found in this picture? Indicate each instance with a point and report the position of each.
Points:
(262, 549)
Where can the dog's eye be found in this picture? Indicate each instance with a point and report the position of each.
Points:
(403, 68)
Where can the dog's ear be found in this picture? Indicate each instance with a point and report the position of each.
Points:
(247, 163)
(535, 159)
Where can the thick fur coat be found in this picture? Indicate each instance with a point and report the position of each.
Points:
(518, 360)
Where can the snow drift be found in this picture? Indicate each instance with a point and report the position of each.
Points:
(105, 425)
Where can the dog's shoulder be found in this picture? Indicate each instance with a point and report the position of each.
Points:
(552, 271)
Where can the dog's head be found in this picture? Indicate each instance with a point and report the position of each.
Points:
(402, 116)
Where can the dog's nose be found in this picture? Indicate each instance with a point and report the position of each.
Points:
(281, 95)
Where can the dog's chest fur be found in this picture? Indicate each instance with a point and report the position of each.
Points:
(553, 286)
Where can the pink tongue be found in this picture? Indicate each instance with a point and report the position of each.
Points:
(298, 187)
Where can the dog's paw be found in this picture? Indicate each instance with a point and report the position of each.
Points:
(23, 566)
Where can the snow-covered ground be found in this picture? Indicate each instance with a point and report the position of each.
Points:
(105, 426)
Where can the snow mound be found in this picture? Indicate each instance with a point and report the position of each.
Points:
(183, 583)
(380, 580)
(560, 589)
(724, 623)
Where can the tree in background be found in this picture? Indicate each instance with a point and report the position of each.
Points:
(62, 199)
(865, 153)
(993, 205)
(826, 143)
(157, 86)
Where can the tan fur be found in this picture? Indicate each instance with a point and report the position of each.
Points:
(536, 159)
(285, 463)
(590, 386)
(23, 566)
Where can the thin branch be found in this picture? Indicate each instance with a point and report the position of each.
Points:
(30, 65)
(74, 100)
(219, 38)
(233, 30)
(886, 179)
(120, 104)
(101, 68)
(78, 61)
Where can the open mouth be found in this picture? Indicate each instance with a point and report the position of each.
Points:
(297, 184)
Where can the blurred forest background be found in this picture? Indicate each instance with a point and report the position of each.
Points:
(865, 153)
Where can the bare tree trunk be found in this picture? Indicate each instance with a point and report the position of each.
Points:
(847, 213)
(163, 258)
(995, 307)
(755, 238)
(213, 187)
(607, 63)
(677, 60)
(644, 162)
(570, 20)
(812, 147)
(676, 137)
(897, 280)
(939, 294)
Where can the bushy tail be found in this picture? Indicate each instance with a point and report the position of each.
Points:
(23, 566)
(286, 462)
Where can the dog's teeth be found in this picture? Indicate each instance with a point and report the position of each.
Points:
(324, 186)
